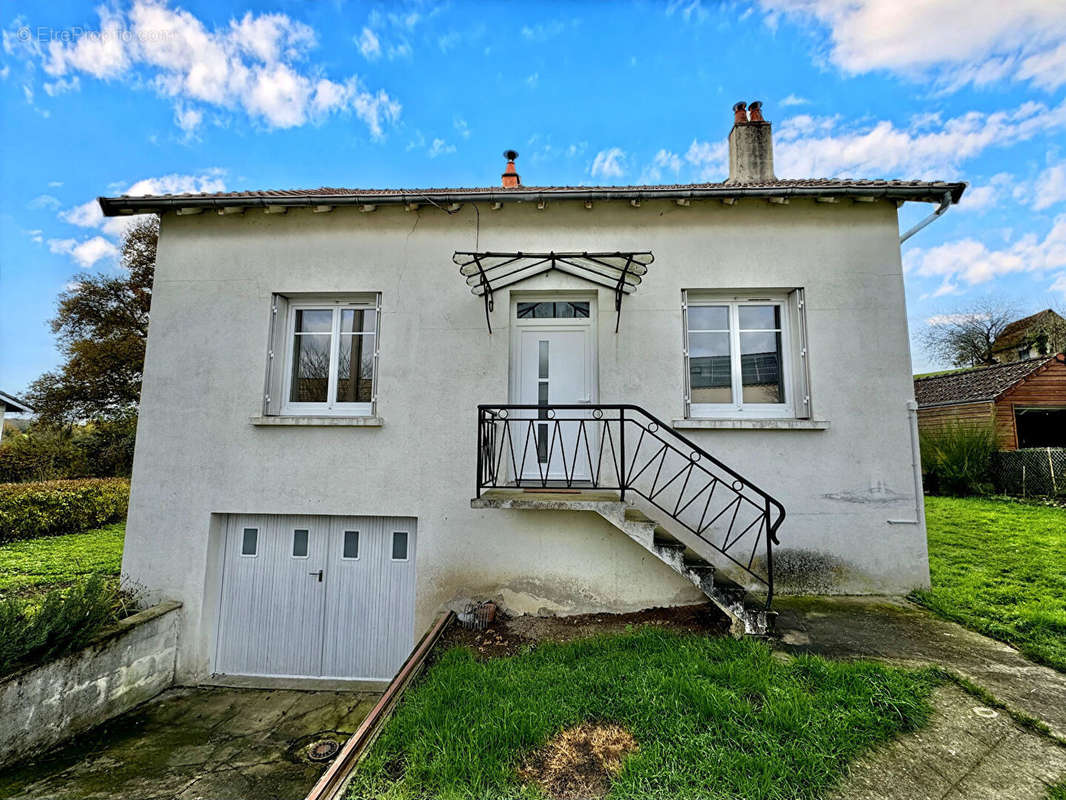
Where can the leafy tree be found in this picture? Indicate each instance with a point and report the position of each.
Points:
(102, 326)
(965, 338)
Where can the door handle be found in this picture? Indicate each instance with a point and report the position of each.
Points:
(319, 574)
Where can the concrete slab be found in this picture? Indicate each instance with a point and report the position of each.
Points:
(967, 751)
(197, 744)
(895, 630)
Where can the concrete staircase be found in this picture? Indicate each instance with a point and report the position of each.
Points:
(747, 618)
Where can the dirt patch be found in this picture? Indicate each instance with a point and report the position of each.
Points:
(579, 762)
(509, 636)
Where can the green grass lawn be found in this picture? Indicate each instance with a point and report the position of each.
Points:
(999, 567)
(713, 717)
(34, 565)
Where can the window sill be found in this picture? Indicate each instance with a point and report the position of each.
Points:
(752, 424)
(311, 421)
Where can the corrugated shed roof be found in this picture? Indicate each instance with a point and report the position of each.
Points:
(928, 191)
(975, 385)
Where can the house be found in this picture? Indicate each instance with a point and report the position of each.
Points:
(1037, 335)
(1025, 401)
(12, 404)
(363, 406)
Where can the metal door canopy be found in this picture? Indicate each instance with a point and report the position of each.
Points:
(486, 272)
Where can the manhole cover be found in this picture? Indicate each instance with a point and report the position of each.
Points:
(322, 750)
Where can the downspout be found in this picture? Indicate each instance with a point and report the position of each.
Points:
(945, 202)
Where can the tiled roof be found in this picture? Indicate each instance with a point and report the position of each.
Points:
(930, 191)
(975, 385)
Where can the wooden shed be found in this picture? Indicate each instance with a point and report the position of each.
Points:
(1024, 400)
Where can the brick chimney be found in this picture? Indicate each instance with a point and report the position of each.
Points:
(510, 174)
(751, 148)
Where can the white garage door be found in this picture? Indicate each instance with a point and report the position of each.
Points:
(312, 596)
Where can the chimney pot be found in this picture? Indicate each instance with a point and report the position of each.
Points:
(510, 174)
(751, 149)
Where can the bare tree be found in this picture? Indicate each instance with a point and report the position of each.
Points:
(964, 338)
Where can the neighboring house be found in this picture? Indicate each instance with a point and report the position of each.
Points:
(12, 404)
(1037, 335)
(329, 452)
(1024, 400)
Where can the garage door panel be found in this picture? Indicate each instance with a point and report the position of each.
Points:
(277, 618)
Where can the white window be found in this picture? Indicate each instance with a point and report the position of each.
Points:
(743, 355)
(330, 354)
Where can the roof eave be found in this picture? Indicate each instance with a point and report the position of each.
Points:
(122, 206)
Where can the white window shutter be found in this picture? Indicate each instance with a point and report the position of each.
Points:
(276, 349)
(686, 376)
(801, 381)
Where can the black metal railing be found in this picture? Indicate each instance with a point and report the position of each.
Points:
(624, 448)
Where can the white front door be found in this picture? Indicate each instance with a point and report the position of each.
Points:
(554, 366)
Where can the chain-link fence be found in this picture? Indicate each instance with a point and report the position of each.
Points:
(1035, 472)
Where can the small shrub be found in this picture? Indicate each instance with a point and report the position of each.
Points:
(28, 510)
(957, 460)
(62, 621)
(46, 452)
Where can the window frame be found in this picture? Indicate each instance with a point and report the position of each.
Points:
(331, 407)
(738, 409)
(358, 549)
(406, 546)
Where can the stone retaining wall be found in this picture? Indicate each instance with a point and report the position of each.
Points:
(124, 666)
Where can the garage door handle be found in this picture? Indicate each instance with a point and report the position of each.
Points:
(319, 574)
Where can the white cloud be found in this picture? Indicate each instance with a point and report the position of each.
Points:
(953, 319)
(36, 236)
(1019, 40)
(86, 252)
(543, 31)
(258, 65)
(972, 262)
(532, 80)
(369, 44)
(709, 158)
(1049, 187)
(44, 201)
(794, 100)
(440, 148)
(664, 160)
(808, 146)
(609, 164)
(461, 127)
(984, 197)
(1060, 283)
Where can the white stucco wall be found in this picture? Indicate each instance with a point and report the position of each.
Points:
(198, 455)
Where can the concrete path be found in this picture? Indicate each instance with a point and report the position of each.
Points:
(197, 744)
(968, 750)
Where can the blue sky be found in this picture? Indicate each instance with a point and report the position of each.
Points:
(144, 96)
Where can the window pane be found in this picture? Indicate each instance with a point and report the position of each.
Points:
(356, 320)
(542, 393)
(760, 366)
(760, 318)
(249, 541)
(316, 320)
(542, 359)
(299, 543)
(399, 545)
(708, 318)
(355, 368)
(351, 544)
(578, 310)
(310, 368)
(710, 375)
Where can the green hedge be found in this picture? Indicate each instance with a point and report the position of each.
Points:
(29, 510)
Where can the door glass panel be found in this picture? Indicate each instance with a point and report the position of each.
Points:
(399, 546)
(310, 367)
(299, 543)
(710, 371)
(249, 541)
(355, 368)
(542, 359)
(560, 310)
(351, 544)
(760, 366)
